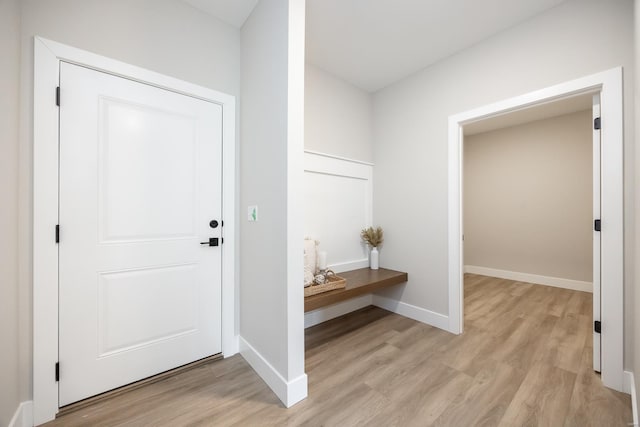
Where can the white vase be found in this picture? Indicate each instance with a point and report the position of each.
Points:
(374, 262)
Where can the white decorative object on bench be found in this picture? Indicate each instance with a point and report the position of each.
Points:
(310, 249)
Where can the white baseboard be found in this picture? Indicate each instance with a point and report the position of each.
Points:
(289, 392)
(557, 282)
(349, 265)
(411, 311)
(630, 388)
(23, 416)
(627, 382)
(320, 315)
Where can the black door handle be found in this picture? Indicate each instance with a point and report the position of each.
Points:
(213, 241)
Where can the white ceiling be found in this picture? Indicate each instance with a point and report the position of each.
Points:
(233, 12)
(531, 114)
(373, 43)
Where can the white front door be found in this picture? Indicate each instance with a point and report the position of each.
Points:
(140, 187)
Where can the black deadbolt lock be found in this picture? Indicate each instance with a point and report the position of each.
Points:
(213, 223)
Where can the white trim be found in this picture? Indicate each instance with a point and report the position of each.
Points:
(630, 388)
(45, 217)
(230, 343)
(332, 156)
(628, 382)
(609, 83)
(47, 58)
(597, 243)
(289, 392)
(296, 388)
(320, 315)
(412, 312)
(349, 265)
(23, 417)
(556, 282)
(331, 165)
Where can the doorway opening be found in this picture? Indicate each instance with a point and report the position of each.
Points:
(529, 204)
(609, 85)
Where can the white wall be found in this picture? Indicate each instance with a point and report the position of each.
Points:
(573, 40)
(338, 116)
(166, 36)
(528, 198)
(271, 253)
(337, 205)
(9, 101)
(338, 122)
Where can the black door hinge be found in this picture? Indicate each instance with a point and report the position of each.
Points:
(58, 96)
(596, 123)
(57, 233)
(596, 225)
(597, 326)
(57, 371)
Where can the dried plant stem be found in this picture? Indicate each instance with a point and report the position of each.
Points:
(372, 236)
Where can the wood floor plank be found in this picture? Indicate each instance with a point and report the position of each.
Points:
(525, 359)
(428, 399)
(542, 399)
(467, 353)
(579, 303)
(567, 341)
(524, 345)
(486, 400)
(594, 405)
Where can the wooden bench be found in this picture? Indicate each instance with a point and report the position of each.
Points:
(359, 282)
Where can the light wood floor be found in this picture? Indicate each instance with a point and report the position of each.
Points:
(524, 360)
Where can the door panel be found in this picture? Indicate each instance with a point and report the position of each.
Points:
(143, 200)
(121, 294)
(140, 179)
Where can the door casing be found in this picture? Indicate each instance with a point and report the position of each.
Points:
(609, 85)
(47, 58)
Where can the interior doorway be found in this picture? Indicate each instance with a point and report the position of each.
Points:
(531, 193)
(609, 86)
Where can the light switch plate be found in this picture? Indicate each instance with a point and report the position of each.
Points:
(252, 213)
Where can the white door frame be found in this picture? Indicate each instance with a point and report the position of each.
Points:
(609, 84)
(47, 58)
(597, 244)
